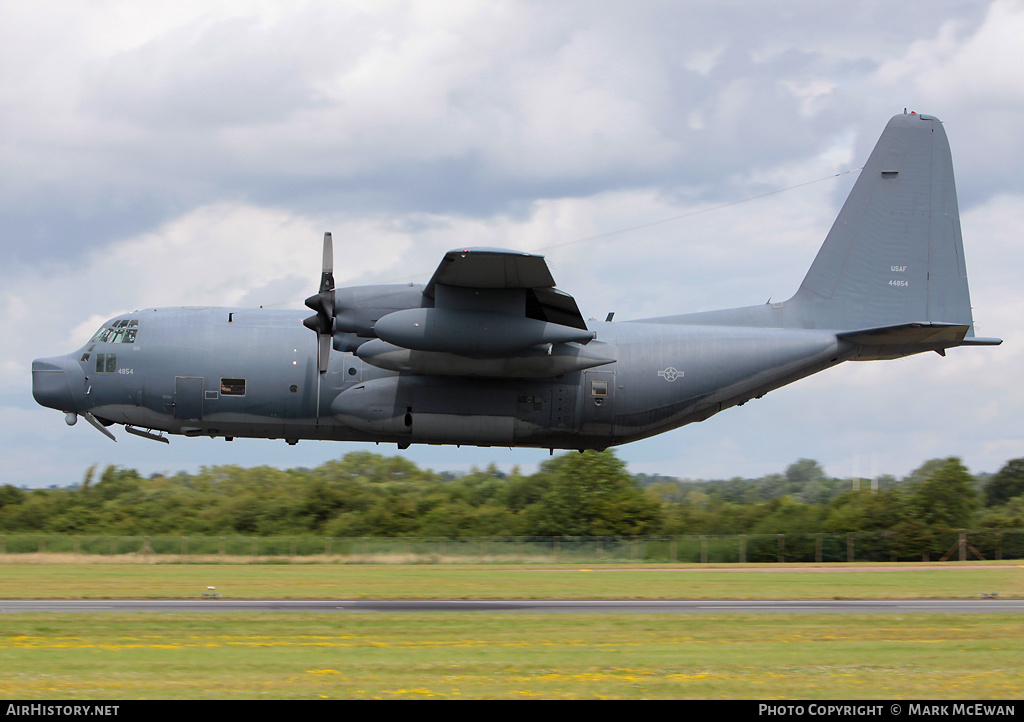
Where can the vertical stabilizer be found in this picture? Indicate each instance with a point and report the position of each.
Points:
(895, 254)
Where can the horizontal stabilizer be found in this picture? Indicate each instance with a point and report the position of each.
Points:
(909, 338)
(951, 334)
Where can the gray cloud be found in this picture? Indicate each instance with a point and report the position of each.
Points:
(411, 127)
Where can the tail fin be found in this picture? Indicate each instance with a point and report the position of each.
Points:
(890, 278)
(895, 255)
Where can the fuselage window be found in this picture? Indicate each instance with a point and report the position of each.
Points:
(232, 387)
(106, 363)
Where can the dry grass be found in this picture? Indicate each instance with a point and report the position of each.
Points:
(510, 656)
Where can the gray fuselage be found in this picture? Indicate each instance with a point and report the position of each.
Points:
(253, 373)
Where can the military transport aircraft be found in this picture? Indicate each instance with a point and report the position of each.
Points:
(490, 353)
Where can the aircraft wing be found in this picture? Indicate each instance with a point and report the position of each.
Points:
(491, 268)
(494, 269)
(495, 313)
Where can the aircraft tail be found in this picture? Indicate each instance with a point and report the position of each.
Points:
(890, 278)
(894, 255)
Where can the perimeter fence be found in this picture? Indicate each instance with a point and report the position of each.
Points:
(950, 545)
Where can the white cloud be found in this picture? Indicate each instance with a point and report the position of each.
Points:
(981, 68)
(194, 153)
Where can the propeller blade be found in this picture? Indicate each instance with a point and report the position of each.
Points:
(324, 352)
(327, 278)
(323, 303)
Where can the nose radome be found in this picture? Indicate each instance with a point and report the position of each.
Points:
(50, 385)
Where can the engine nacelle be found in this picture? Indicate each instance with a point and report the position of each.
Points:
(357, 308)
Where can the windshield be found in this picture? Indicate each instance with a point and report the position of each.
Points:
(121, 331)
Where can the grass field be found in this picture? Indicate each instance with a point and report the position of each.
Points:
(450, 581)
(309, 656)
(510, 656)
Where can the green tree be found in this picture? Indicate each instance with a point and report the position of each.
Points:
(941, 499)
(1006, 484)
(944, 497)
(863, 510)
(592, 494)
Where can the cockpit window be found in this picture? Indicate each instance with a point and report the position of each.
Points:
(121, 331)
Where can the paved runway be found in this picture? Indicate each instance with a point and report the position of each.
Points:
(618, 606)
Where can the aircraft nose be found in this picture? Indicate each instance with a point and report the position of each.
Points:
(50, 385)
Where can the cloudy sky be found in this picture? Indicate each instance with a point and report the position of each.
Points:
(193, 153)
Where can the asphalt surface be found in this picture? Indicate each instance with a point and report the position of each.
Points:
(628, 606)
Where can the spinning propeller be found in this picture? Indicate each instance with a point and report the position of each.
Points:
(323, 303)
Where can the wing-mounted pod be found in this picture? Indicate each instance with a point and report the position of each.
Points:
(477, 334)
(486, 312)
(551, 360)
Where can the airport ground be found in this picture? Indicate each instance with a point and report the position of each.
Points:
(454, 655)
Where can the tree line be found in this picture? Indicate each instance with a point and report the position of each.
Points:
(589, 494)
